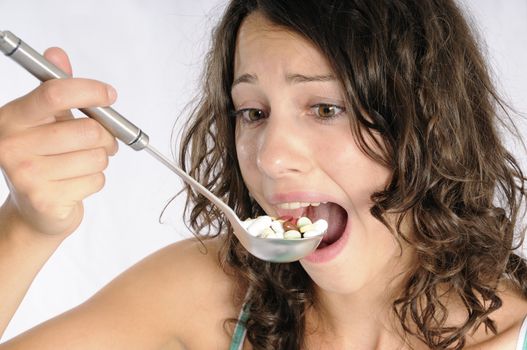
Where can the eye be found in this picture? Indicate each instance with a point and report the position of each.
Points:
(327, 111)
(250, 115)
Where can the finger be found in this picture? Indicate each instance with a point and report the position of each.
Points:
(55, 96)
(77, 189)
(67, 136)
(58, 199)
(71, 165)
(64, 115)
(60, 58)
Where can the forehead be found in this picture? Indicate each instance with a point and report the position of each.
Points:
(263, 45)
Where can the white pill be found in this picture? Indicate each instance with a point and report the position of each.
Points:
(303, 221)
(292, 234)
(268, 233)
(312, 233)
(311, 227)
(277, 227)
(259, 224)
(247, 222)
(321, 225)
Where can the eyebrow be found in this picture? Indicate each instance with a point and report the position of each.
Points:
(245, 78)
(299, 78)
(290, 78)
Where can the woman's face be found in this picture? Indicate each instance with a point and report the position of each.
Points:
(296, 149)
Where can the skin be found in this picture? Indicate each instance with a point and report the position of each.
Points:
(173, 298)
(293, 155)
(278, 166)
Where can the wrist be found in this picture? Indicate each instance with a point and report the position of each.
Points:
(13, 228)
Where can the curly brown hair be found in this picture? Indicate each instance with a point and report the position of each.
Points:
(413, 73)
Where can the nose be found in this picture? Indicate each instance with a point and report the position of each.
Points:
(282, 151)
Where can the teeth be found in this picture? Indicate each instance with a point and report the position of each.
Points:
(296, 205)
(290, 205)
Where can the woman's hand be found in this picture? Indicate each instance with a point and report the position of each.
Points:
(50, 160)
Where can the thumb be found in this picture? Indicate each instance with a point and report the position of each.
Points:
(58, 57)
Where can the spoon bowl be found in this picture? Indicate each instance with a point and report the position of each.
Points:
(268, 249)
(274, 249)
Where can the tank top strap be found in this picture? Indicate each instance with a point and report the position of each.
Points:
(238, 337)
(521, 344)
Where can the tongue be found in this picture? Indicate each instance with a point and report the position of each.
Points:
(336, 217)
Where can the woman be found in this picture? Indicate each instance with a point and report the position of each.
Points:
(377, 116)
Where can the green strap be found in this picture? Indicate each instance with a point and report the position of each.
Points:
(522, 337)
(239, 331)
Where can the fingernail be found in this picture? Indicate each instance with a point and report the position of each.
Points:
(112, 93)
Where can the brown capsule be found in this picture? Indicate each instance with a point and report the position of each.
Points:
(288, 226)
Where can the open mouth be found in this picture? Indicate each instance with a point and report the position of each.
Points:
(336, 217)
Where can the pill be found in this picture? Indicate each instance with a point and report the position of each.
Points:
(284, 227)
(259, 224)
(268, 233)
(312, 233)
(292, 234)
(303, 221)
(311, 227)
(279, 235)
(289, 226)
(321, 225)
(277, 227)
(246, 223)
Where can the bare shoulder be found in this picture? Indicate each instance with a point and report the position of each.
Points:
(184, 290)
(168, 301)
(509, 319)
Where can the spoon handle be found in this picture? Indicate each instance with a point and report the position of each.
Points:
(119, 126)
(32, 61)
(229, 213)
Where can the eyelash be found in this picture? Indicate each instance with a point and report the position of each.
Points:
(339, 111)
(242, 113)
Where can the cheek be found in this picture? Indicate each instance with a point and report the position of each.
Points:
(357, 174)
(366, 178)
(246, 152)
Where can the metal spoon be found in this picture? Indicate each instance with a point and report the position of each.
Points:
(274, 250)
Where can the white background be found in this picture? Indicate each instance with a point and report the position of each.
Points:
(152, 52)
